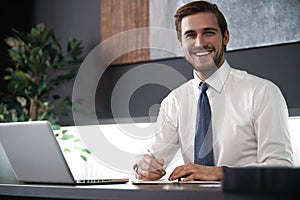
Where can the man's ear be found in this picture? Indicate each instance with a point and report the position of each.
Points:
(226, 37)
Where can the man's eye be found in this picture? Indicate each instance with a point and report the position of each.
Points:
(190, 36)
(209, 33)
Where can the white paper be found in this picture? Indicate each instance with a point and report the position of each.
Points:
(166, 181)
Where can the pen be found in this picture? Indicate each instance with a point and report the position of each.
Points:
(153, 156)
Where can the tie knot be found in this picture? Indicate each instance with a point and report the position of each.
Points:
(203, 87)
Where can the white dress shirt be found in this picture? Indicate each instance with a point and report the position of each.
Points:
(249, 121)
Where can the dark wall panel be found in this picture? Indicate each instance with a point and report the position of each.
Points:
(280, 64)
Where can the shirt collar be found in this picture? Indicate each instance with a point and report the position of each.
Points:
(217, 79)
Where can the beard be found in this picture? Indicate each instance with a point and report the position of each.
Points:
(206, 65)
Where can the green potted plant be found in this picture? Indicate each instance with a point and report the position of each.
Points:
(38, 63)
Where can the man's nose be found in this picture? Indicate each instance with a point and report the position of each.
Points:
(200, 41)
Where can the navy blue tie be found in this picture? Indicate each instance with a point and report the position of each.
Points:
(203, 150)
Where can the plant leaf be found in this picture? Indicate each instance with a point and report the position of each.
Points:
(55, 126)
(66, 137)
(86, 151)
(83, 157)
(67, 150)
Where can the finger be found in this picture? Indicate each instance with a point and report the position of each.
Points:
(193, 176)
(199, 172)
(208, 173)
(159, 164)
(145, 166)
(154, 164)
(178, 172)
(153, 170)
(160, 161)
(149, 178)
(198, 176)
(150, 175)
(181, 171)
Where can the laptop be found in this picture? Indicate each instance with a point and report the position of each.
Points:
(36, 157)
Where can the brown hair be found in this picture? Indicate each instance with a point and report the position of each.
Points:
(197, 7)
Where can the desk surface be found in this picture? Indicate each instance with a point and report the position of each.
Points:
(9, 190)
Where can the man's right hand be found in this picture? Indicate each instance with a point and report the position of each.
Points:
(149, 168)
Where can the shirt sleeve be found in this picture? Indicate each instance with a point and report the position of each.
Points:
(165, 143)
(271, 128)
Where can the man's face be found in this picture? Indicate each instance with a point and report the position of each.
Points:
(203, 43)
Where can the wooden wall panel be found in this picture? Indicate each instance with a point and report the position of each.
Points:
(121, 15)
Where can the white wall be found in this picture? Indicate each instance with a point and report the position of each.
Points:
(294, 125)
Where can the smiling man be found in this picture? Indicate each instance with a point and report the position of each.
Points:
(221, 117)
(203, 43)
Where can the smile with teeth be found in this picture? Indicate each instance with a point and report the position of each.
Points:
(203, 53)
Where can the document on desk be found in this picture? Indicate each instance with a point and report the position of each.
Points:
(166, 181)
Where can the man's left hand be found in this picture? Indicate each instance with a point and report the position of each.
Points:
(191, 171)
